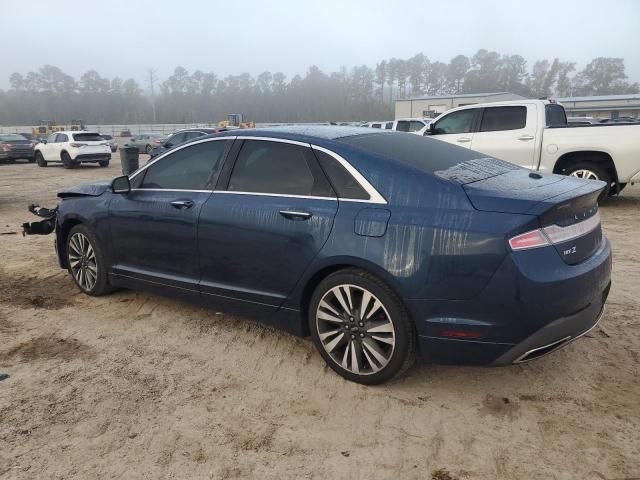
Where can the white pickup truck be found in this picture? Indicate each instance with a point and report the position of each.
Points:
(534, 134)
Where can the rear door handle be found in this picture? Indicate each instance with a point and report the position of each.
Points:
(182, 204)
(295, 214)
(525, 137)
(464, 140)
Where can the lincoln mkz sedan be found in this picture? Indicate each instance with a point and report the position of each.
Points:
(381, 246)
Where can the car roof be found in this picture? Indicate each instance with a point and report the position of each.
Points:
(75, 132)
(303, 132)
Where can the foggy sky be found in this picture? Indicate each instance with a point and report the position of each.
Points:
(124, 38)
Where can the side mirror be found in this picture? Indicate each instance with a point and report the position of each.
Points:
(121, 185)
(432, 128)
(43, 141)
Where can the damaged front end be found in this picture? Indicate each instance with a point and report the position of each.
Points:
(43, 227)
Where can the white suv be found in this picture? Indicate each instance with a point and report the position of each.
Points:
(73, 148)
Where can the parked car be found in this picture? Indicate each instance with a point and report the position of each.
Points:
(533, 134)
(113, 144)
(380, 125)
(14, 146)
(379, 245)
(71, 148)
(146, 141)
(412, 125)
(620, 120)
(571, 121)
(184, 136)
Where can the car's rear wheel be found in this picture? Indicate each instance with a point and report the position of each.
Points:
(361, 328)
(40, 160)
(104, 163)
(149, 149)
(31, 159)
(591, 171)
(87, 261)
(66, 160)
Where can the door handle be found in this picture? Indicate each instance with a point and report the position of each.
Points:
(182, 204)
(525, 137)
(295, 215)
(464, 140)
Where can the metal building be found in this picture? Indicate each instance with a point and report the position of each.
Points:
(431, 107)
(605, 106)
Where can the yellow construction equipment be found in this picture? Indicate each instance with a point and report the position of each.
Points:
(46, 127)
(235, 120)
(77, 125)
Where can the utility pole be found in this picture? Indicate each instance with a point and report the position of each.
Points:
(152, 72)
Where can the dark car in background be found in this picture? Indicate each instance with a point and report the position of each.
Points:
(145, 142)
(381, 246)
(113, 145)
(14, 146)
(182, 136)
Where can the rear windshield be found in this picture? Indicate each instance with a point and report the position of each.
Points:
(11, 137)
(415, 151)
(87, 137)
(450, 162)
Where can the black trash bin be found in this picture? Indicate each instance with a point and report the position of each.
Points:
(129, 159)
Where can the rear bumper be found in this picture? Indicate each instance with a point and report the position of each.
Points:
(16, 155)
(93, 157)
(534, 305)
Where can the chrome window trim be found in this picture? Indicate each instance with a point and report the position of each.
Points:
(374, 196)
(163, 155)
(168, 190)
(284, 195)
(270, 139)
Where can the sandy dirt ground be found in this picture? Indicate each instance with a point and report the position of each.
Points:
(136, 386)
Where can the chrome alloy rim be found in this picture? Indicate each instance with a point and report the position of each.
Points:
(355, 329)
(585, 174)
(82, 260)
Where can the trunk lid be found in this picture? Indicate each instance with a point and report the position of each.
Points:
(566, 207)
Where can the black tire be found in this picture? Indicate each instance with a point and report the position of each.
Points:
(40, 160)
(31, 159)
(101, 284)
(104, 163)
(148, 150)
(66, 160)
(595, 169)
(399, 356)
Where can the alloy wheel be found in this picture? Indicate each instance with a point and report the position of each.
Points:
(584, 174)
(82, 261)
(355, 329)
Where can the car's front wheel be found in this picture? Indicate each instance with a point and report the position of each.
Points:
(361, 328)
(40, 160)
(103, 163)
(149, 149)
(87, 261)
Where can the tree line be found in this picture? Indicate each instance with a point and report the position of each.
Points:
(352, 94)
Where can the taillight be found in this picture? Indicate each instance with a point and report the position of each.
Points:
(532, 239)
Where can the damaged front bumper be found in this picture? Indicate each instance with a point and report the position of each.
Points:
(43, 227)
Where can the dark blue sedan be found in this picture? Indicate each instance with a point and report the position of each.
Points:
(381, 246)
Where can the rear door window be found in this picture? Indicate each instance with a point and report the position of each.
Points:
(415, 126)
(278, 168)
(503, 118)
(456, 122)
(61, 138)
(195, 167)
(402, 126)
